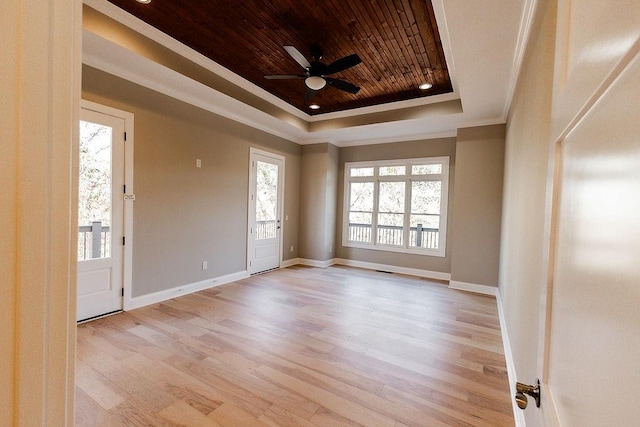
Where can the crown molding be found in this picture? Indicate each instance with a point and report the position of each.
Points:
(524, 33)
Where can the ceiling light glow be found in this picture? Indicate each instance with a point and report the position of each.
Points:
(314, 106)
(144, 1)
(315, 82)
(425, 86)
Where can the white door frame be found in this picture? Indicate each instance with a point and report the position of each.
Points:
(129, 198)
(250, 240)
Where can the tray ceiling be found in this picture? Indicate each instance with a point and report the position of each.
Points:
(397, 40)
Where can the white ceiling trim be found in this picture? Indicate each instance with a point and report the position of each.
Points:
(383, 108)
(443, 29)
(404, 138)
(528, 15)
(112, 58)
(450, 129)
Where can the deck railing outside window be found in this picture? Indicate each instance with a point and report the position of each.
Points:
(265, 229)
(392, 235)
(94, 241)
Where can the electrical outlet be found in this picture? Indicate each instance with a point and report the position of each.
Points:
(291, 249)
(198, 163)
(204, 265)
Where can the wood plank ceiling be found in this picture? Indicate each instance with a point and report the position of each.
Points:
(397, 40)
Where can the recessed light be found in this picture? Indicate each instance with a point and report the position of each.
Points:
(144, 1)
(425, 86)
(314, 106)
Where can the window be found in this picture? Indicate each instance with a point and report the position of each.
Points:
(397, 205)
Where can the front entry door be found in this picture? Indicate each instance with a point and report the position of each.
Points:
(265, 206)
(100, 214)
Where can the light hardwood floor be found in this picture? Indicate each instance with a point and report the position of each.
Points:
(299, 347)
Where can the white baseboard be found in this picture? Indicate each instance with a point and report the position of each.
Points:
(473, 287)
(518, 414)
(316, 263)
(290, 262)
(436, 275)
(156, 297)
(370, 266)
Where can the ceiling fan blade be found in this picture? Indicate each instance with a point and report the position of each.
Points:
(342, 85)
(297, 56)
(343, 63)
(284, 77)
(309, 94)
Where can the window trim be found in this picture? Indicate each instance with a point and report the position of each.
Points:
(408, 178)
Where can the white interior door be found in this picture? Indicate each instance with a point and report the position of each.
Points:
(100, 214)
(589, 366)
(265, 211)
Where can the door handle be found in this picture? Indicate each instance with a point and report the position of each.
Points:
(524, 389)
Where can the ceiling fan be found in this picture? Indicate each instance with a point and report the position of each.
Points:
(316, 73)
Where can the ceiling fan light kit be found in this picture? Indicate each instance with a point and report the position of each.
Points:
(315, 82)
(316, 74)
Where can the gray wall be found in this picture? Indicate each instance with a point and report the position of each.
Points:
(333, 157)
(477, 205)
(318, 193)
(397, 150)
(184, 215)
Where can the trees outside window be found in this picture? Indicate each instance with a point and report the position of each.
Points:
(94, 188)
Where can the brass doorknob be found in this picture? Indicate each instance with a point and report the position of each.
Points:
(524, 389)
(521, 400)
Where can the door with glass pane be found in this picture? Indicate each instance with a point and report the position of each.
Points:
(265, 206)
(100, 214)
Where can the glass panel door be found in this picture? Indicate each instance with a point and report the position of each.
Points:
(266, 200)
(100, 214)
(94, 192)
(265, 206)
